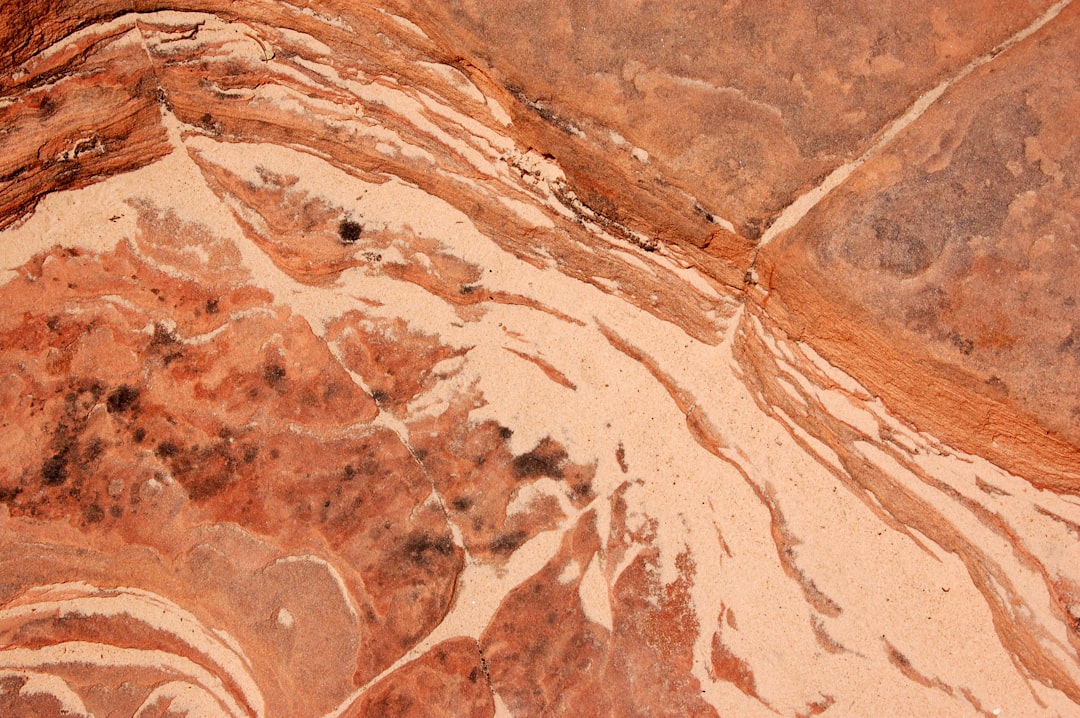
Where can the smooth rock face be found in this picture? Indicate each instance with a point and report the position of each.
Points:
(741, 104)
(613, 359)
(958, 242)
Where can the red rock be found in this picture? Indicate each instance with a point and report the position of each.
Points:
(958, 298)
(99, 116)
(546, 657)
(768, 100)
(437, 359)
(447, 680)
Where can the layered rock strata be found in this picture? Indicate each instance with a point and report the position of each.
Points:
(420, 359)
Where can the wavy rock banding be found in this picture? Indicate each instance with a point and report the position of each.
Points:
(423, 359)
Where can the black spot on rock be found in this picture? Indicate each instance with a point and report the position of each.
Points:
(163, 336)
(93, 451)
(349, 231)
(582, 489)
(421, 547)
(541, 461)
(507, 543)
(9, 493)
(122, 398)
(93, 514)
(965, 346)
(995, 383)
(753, 227)
(200, 488)
(55, 470)
(274, 375)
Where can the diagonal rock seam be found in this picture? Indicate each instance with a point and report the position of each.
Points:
(794, 212)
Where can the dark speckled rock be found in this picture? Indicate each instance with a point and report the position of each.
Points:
(378, 358)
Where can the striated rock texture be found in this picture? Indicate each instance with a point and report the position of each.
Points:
(539, 359)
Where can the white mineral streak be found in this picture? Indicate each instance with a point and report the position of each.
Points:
(81, 655)
(46, 684)
(181, 698)
(594, 594)
(480, 589)
(346, 596)
(825, 580)
(97, 217)
(84, 602)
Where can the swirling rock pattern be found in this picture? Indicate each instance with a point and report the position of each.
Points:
(511, 359)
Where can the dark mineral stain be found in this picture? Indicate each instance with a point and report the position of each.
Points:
(1071, 343)
(122, 398)
(93, 451)
(995, 383)
(421, 547)
(965, 346)
(900, 243)
(753, 227)
(55, 470)
(462, 503)
(9, 493)
(507, 543)
(908, 226)
(206, 487)
(349, 231)
(541, 461)
(582, 489)
(274, 375)
(147, 87)
(163, 337)
(47, 106)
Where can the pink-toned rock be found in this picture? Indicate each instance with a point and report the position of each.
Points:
(742, 106)
(943, 273)
(546, 657)
(368, 358)
(447, 680)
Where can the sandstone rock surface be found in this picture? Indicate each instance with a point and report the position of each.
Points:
(371, 358)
